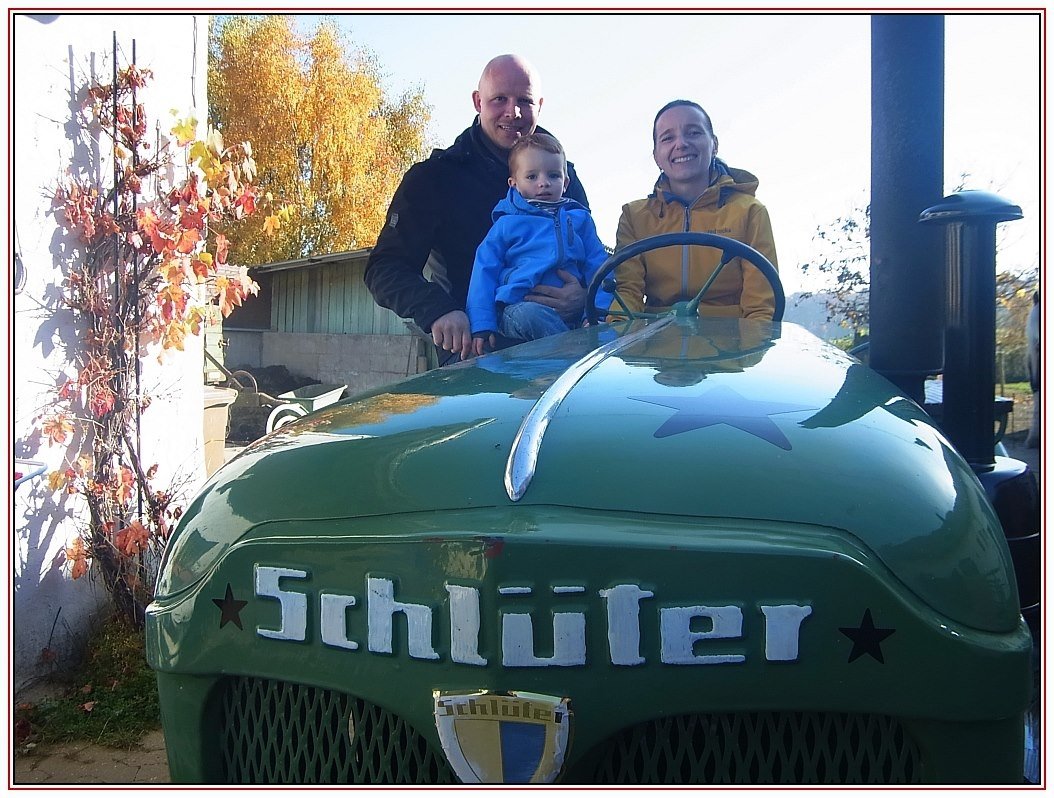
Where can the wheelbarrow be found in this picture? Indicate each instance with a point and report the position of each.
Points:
(26, 470)
(301, 401)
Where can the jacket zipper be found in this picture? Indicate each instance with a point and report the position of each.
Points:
(559, 238)
(684, 253)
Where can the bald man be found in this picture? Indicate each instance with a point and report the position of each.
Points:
(442, 210)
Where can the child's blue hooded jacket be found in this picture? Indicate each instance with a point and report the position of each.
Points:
(524, 248)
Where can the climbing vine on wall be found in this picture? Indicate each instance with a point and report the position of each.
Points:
(141, 262)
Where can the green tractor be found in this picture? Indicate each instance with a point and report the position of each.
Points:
(656, 550)
(660, 550)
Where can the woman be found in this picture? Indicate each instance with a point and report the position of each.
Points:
(696, 191)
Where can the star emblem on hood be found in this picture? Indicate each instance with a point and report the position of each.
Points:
(867, 638)
(722, 405)
(230, 608)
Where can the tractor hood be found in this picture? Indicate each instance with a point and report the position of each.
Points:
(712, 418)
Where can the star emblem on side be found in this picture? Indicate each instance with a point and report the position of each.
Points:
(867, 638)
(722, 405)
(230, 608)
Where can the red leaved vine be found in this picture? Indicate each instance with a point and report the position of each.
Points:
(142, 265)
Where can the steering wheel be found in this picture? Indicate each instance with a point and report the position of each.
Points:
(730, 248)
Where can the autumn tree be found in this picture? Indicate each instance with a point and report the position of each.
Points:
(328, 138)
(843, 263)
(1013, 297)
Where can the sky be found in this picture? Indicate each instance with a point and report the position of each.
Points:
(789, 96)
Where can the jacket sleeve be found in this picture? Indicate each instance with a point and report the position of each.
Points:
(595, 257)
(575, 189)
(482, 305)
(395, 269)
(757, 300)
(629, 277)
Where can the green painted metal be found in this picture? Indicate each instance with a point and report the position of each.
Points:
(761, 748)
(838, 495)
(275, 732)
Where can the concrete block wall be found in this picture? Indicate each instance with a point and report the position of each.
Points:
(242, 347)
(361, 362)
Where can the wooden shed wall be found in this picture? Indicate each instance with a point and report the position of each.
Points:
(329, 298)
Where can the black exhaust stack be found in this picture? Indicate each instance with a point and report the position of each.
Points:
(933, 306)
(970, 219)
(907, 174)
(968, 414)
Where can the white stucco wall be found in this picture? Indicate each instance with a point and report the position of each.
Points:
(52, 57)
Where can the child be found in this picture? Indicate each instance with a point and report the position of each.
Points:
(536, 232)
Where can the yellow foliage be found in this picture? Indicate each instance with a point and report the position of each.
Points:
(325, 136)
(185, 130)
(174, 335)
(56, 480)
(196, 316)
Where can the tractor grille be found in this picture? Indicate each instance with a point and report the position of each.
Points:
(761, 748)
(280, 733)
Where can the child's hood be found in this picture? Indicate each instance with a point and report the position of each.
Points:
(514, 204)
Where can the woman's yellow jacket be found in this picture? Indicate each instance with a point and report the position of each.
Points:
(664, 276)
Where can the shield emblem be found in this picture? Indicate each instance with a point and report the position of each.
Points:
(503, 738)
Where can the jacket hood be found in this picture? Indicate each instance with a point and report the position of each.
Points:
(469, 145)
(728, 180)
(514, 203)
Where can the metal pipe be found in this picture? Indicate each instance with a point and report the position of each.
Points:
(968, 416)
(907, 174)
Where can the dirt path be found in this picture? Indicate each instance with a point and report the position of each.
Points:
(85, 763)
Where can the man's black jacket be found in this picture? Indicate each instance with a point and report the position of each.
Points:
(442, 208)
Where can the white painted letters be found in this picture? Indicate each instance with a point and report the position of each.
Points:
(782, 628)
(517, 640)
(678, 639)
(623, 604)
(678, 643)
(294, 605)
(381, 606)
(334, 620)
(464, 625)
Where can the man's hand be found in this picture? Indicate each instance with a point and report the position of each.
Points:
(568, 300)
(451, 332)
